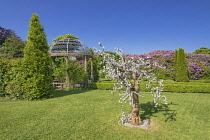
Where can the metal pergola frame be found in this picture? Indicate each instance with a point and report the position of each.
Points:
(69, 46)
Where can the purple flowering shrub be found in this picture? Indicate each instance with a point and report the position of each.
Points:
(195, 71)
(198, 64)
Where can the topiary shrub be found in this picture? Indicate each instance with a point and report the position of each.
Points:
(181, 67)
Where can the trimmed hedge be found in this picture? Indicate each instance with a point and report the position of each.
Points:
(168, 87)
(12, 79)
(102, 86)
(182, 88)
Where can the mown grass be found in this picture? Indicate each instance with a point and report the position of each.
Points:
(93, 114)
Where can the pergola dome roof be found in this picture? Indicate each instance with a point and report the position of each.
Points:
(69, 46)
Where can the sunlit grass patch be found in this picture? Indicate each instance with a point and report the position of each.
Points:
(93, 114)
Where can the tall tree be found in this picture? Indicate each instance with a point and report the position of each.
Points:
(181, 66)
(37, 62)
(12, 47)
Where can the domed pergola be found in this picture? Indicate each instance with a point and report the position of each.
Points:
(72, 49)
(69, 47)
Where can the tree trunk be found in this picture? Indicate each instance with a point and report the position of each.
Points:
(91, 67)
(67, 83)
(135, 118)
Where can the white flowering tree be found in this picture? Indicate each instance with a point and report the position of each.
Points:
(128, 73)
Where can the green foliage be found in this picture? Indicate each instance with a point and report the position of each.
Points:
(184, 88)
(102, 74)
(12, 47)
(202, 50)
(95, 70)
(15, 80)
(59, 68)
(175, 60)
(5, 33)
(101, 86)
(64, 37)
(206, 74)
(36, 62)
(96, 64)
(181, 66)
(12, 78)
(75, 72)
(164, 73)
(3, 74)
(207, 81)
(181, 87)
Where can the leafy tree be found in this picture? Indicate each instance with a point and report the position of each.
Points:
(37, 62)
(64, 37)
(181, 67)
(6, 33)
(202, 50)
(12, 47)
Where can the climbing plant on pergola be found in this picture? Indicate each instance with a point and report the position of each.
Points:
(72, 49)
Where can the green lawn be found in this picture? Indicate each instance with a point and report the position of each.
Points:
(93, 114)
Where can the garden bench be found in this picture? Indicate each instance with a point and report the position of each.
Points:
(60, 85)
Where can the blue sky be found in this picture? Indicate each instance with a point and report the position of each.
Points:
(135, 26)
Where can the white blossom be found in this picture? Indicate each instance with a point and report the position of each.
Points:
(121, 71)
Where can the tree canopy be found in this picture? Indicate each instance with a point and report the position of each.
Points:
(202, 50)
(64, 37)
(12, 47)
(6, 33)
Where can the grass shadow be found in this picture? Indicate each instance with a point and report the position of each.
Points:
(63, 92)
(148, 110)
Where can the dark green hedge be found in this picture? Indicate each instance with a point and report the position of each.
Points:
(168, 87)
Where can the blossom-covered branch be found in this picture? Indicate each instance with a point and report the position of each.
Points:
(128, 73)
